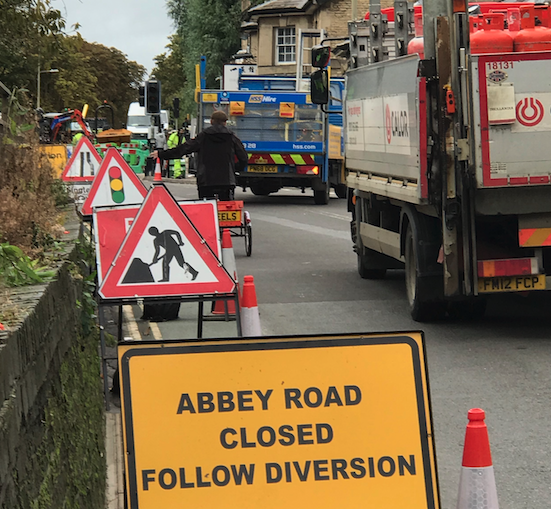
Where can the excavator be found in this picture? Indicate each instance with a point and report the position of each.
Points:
(50, 126)
(69, 116)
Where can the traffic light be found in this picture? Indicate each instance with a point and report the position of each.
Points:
(321, 56)
(153, 96)
(176, 107)
(115, 182)
(319, 86)
(141, 98)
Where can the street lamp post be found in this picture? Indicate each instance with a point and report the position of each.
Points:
(38, 83)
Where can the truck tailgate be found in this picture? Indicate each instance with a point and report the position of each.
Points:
(512, 119)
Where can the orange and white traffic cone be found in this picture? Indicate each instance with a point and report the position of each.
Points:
(250, 318)
(477, 486)
(228, 260)
(158, 177)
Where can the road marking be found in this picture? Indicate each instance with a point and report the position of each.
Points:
(333, 215)
(336, 234)
(133, 329)
(131, 325)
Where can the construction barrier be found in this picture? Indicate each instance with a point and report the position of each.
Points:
(134, 153)
(477, 485)
(135, 158)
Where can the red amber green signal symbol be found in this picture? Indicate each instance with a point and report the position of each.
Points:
(115, 181)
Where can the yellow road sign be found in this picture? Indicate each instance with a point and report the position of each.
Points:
(287, 110)
(237, 107)
(57, 154)
(336, 421)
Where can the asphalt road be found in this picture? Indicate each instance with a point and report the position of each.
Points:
(306, 282)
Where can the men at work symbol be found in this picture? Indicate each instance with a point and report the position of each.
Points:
(170, 241)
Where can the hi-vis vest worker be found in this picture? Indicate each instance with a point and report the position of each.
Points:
(316, 422)
(173, 142)
(76, 138)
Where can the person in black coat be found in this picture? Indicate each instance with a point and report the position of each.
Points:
(220, 154)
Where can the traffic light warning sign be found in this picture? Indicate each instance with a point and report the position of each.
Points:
(334, 421)
(115, 184)
(164, 255)
(84, 163)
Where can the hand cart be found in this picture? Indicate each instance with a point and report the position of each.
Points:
(232, 216)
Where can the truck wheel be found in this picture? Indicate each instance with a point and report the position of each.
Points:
(421, 309)
(340, 190)
(322, 197)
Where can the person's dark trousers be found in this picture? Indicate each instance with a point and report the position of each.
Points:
(224, 193)
(149, 167)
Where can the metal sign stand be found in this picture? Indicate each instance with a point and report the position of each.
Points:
(200, 299)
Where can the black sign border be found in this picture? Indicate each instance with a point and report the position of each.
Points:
(270, 343)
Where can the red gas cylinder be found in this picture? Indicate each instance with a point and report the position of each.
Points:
(493, 39)
(541, 14)
(513, 19)
(531, 38)
(416, 44)
(475, 23)
(513, 22)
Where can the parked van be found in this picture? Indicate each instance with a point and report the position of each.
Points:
(138, 121)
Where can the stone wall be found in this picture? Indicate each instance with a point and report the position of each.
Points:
(51, 404)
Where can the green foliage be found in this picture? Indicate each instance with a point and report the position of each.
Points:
(86, 251)
(71, 455)
(17, 269)
(205, 27)
(25, 28)
(32, 38)
(169, 69)
(91, 73)
(60, 194)
(17, 119)
(28, 217)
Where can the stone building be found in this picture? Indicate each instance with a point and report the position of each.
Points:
(270, 31)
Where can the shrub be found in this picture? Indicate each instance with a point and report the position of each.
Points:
(28, 189)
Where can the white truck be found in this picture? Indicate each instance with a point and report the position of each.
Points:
(139, 123)
(447, 161)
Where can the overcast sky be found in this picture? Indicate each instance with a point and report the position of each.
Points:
(138, 28)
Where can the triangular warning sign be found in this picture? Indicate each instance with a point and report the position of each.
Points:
(111, 225)
(115, 184)
(84, 162)
(163, 255)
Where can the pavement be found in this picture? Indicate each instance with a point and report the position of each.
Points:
(136, 329)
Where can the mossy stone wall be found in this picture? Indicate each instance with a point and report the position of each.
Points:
(52, 453)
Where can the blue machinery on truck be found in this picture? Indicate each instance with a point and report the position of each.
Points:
(290, 141)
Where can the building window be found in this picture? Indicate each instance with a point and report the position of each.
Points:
(285, 45)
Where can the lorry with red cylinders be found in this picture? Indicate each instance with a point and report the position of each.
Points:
(447, 158)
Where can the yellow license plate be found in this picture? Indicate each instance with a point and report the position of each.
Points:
(511, 283)
(263, 168)
(229, 215)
